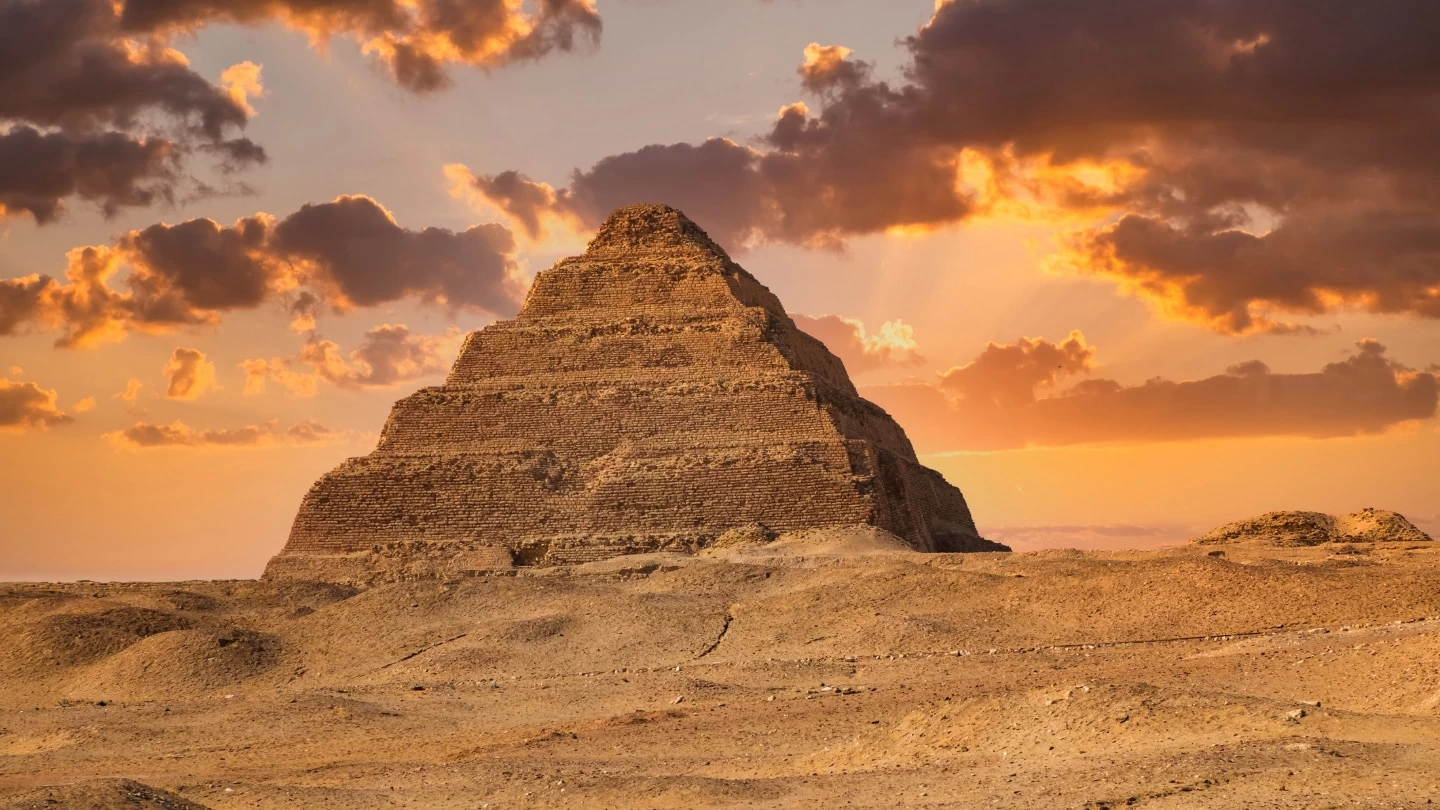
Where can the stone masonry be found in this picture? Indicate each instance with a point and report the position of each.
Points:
(651, 395)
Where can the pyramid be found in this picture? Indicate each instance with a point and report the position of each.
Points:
(651, 395)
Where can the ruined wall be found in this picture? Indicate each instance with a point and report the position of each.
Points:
(651, 394)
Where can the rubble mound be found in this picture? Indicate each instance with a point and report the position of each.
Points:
(68, 639)
(650, 396)
(102, 794)
(178, 664)
(1316, 528)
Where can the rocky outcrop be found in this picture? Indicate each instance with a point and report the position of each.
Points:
(651, 395)
(1317, 528)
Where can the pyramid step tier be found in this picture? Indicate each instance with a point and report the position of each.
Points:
(588, 416)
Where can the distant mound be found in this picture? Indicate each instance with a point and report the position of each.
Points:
(1317, 528)
(102, 794)
(75, 639)
(176, 664)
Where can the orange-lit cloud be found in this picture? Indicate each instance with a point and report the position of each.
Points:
(280, 370)
(994, 403)
(389, 355)
(242, 83)
(25, 405)
(143, 435)
(349, 252)
(893, 345)
(828, 68)
(85, 405)
(131, 392)
(533, 208)
(416, 40)
(1239, 282)
(303, 312)
(1009, 374)
(189, 375)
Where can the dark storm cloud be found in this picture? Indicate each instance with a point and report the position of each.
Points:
(992, 402)
(349, 253)
(1254, 133)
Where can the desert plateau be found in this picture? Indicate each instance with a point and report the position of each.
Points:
(834, 669)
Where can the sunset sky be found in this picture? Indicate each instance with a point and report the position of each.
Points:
(1123, 269)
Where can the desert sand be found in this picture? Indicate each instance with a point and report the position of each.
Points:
(825, 669)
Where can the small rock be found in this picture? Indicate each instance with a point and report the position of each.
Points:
(680, 699)
(1295, 715)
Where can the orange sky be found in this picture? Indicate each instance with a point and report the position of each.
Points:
(1114, 312)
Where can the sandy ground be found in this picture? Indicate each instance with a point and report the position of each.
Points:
(806, 676)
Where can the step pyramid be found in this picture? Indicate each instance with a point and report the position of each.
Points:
(651, 395)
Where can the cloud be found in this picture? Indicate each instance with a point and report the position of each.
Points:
(242, 82)
(303, 311)
(1235, 281)
(39, 170)
(281, 370)
(847, 338)
(349, 253)
(25, 405)
(992, 403)
(131, 392)
(189, 375)
(1234, 162)
(108, 116)
(1009, 374)
(389, 355)
(143, 435)
(416, 40)
(353, 250)
(85, 405)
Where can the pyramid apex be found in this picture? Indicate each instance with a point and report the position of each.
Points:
(651, 227)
